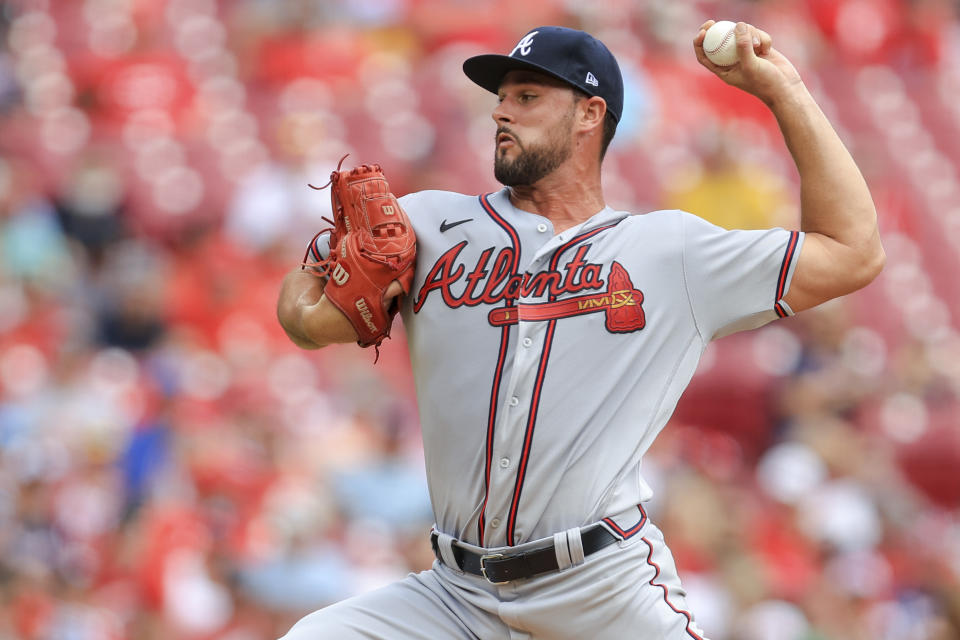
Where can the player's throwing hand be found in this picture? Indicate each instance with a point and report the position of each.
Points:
(760, 69)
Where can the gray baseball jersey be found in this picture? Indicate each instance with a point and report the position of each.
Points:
(545, 365)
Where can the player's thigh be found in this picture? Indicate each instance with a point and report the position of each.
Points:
(626, 587)
(418, 607)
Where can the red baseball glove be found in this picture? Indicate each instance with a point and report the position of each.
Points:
(372, 243)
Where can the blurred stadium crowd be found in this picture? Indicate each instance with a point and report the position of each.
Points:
(171, 467)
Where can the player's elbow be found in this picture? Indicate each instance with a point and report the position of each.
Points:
(291, 310)
(289, 318)
(872, 261)
(860, 257)
(302, 342)
(878, 262)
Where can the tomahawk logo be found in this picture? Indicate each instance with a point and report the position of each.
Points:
(621, 305)
(524, 45)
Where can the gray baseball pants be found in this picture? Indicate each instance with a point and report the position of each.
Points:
(629, 589)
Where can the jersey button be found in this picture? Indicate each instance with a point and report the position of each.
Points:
(495, 523)
(504, 462)
(541, 227)
(527, 342)
(514, 401)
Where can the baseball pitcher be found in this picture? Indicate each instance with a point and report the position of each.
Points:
(551, 337)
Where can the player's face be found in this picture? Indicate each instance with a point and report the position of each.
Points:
(534, 117)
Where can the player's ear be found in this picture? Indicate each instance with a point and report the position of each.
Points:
(593, 110)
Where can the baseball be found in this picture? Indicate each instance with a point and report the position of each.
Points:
(720, 44)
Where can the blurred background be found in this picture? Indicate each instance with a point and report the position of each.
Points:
(172, 467)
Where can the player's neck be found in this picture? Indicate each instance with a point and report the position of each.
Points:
(567, 197)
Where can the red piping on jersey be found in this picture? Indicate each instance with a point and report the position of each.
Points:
(538, 387)
(629, 533)
(501, 359)
(666, 592)
(784, 270)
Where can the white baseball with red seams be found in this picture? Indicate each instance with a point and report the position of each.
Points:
(720, 43)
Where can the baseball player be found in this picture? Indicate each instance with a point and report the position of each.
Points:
(551, 337)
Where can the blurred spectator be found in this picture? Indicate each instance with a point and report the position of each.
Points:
(33, 248)
(90, 204)
(726, 191)
(130, 290)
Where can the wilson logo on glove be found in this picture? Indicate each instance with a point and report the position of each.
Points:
(365, 314)
(339, 275)
(368, 252)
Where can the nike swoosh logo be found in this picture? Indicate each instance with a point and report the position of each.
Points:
(445, 226)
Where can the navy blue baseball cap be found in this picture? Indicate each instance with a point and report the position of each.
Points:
(573, 56)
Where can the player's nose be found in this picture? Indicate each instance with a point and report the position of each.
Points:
(501, 115)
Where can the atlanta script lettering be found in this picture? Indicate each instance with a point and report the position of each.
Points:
(490, 281)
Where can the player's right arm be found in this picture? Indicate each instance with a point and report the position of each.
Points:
(841, 250)
(308, 318)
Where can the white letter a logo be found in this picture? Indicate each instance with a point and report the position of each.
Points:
(524, 44)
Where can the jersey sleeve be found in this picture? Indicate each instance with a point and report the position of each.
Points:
(736, 280)
(319, 248)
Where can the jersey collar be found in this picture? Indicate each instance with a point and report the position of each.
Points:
(605, 216)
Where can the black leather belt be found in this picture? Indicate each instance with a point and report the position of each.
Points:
(504, 567)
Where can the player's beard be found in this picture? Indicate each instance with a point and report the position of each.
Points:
(533, 162)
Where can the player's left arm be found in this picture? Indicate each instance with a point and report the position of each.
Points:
(309, 319)
(841, 250)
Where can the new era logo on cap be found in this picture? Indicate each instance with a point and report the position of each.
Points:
(573, 56)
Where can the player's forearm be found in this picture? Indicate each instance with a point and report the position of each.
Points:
(834, 199)
(307, 317)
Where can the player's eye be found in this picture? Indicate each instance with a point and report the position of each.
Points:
(521, 98)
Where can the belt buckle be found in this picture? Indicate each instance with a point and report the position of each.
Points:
(483, 566)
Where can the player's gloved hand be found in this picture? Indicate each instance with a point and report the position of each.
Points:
(372, 249)
(761, 70)
(395, 290)
(338, 327)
